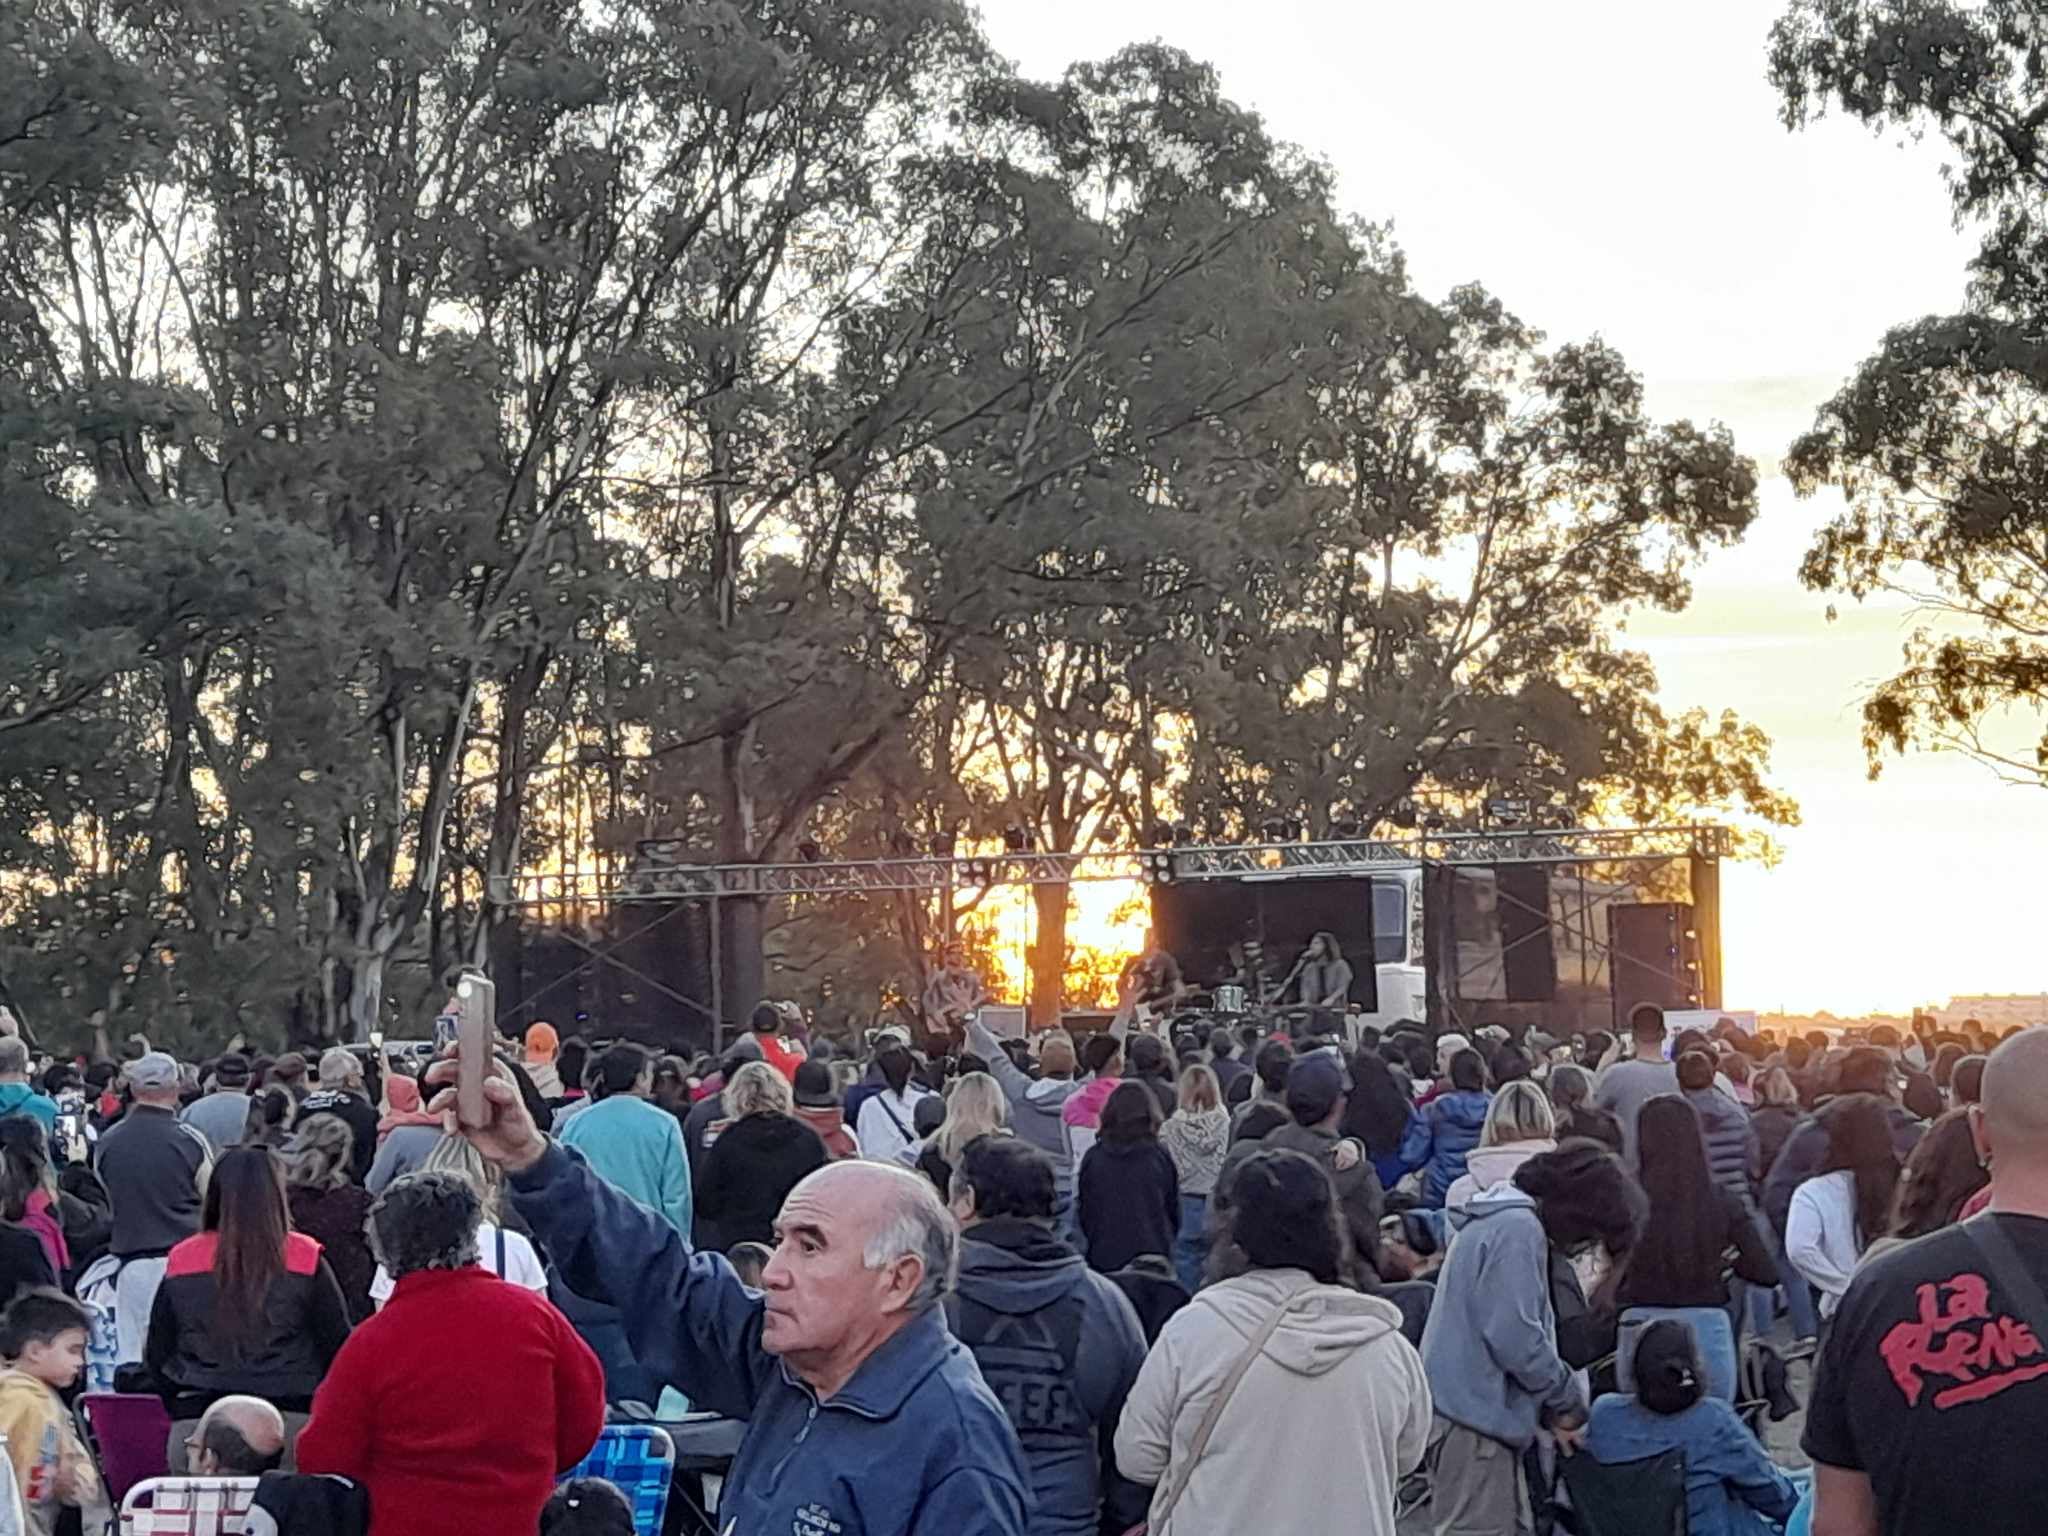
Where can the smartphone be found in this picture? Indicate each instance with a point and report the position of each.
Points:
(476, 1000)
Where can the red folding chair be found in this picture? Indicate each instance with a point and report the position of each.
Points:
(131, 1434)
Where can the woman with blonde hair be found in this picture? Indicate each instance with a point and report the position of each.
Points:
(1196, 1135)
(506, 1254)
(759, 1152)
(1519, 1125)
(328, 1208)
(976, 1106)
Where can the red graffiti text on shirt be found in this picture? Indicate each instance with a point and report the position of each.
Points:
(1956, 1338)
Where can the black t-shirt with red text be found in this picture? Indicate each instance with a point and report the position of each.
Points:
(1934, 1382)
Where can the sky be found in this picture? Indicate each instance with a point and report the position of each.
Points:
(1619, 169)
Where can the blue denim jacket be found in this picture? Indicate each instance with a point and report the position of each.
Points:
(1731, 1486)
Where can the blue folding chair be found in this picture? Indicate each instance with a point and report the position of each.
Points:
(639, 1460)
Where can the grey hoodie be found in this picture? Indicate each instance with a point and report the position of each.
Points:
(1035, 1105)
(1490, 1347)
(1059, 1346)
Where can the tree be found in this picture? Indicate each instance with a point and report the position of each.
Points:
(1937, 442)
(1437, 617)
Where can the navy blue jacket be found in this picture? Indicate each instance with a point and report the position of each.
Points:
(913, 1445)
(1441, 1139)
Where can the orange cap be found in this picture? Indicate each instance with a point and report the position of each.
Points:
(542, 1042)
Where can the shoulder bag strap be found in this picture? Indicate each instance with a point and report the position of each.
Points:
(2014, 1277)
(1217, 1404)
(501, 1253)
(894, 1118)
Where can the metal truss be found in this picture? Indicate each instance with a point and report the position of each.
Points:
(660, 871)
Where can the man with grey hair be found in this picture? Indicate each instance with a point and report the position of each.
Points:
(863, 1413)
(154, 1167)
(17, 1096)
(341, 1095)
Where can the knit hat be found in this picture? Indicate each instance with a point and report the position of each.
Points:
(542, 1043)
(743, 1050)
(814, 1086)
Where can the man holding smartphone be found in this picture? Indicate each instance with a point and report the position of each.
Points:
(863, 1412)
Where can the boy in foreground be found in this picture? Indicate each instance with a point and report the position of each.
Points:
(42, 1336)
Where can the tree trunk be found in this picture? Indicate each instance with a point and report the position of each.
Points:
(365, 994)
(1048, 954)
(740, 962)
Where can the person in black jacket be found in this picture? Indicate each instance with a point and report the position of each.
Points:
(1590, 1206)
(248, 1306)
(756, 1158)
(1693, 1222)
(1571, 1098)
(24, 1262)
(341, 1095)
(1128, 1193)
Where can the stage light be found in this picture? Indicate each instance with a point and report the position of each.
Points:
(1280, 829)
(943, 844)
(1157, 868)
(1181, 834)
(980, 872)
(1016, 838)
(1160, 836)
(809, 851)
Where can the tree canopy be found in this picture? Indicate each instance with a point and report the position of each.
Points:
(452, 441)
(1937, 443)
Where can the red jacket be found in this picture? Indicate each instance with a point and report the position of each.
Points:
(457, 1406)
(780, 1054)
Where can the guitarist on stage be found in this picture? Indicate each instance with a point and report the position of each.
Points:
(1152, 980)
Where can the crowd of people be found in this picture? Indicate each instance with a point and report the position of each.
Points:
(1070, 1285)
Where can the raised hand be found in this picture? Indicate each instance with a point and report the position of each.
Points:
(509, 1137)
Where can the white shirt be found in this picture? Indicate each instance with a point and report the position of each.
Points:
(522, 1265)
(888, 1123)
(1820, 1235)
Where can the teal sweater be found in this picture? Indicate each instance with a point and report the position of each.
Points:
(637, 1148)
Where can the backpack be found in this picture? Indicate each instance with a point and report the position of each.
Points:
(97, 1288)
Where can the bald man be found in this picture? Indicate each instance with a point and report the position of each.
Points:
(1931, 1401)
(864, 1415)
(237, 1437)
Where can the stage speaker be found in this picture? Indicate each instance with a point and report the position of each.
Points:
(1653, 957)
(1522, 900)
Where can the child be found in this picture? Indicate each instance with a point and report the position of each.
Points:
(42, 1336)
(587, 1506)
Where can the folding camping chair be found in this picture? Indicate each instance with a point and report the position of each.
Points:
(130, 1435)
(1626, 1498)
(640, 1461)
(187, 1506)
